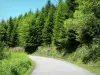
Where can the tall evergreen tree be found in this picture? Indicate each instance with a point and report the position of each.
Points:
(71, 7)
(40, 21)
(47, 8)
(11, 32)
(3, 29)
(60, 16)
(37, 13)
(47, 31)
(24, 28)
(38, 28)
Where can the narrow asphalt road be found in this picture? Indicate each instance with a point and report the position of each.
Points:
(50, 66)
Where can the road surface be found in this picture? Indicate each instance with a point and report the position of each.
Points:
(50, 66)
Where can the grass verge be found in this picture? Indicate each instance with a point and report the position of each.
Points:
(16, 64)
(31, 69)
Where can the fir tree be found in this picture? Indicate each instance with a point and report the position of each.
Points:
(48, 27)
(60, 16)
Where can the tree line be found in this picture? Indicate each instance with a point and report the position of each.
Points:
(67, 25)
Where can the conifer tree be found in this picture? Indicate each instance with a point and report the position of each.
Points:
(47, 31)
(71, 7)
(24, 32)
(38, 28)
(10, 33)
(60, 16)
(37, 13)
(47, 8)
(3, 29)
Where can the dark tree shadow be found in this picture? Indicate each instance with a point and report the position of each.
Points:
(31, 49)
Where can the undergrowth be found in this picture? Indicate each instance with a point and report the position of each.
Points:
(16, 64)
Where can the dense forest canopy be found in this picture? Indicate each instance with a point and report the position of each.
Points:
(67, 25)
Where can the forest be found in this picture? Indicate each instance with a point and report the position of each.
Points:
(71, 26)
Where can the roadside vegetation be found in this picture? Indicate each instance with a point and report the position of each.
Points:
(15, 63)
(72, 28)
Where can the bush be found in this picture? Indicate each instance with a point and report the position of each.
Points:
(3, 51)
(47, 51)
(93, 54)
(18, 64)
(67, 43)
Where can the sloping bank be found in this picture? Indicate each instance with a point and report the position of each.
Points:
(16, 64)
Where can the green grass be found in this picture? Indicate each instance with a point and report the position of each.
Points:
(16, 64)
(31, 69)
(75, 58)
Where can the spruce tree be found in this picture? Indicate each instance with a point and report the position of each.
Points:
(10, 33)
(38, 28)
(24, 30)
(3, 31)
(47, 8)
(60, 16)
(71, 7)
(47, 31)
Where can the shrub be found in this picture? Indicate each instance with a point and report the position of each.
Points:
(18, 64)
(3, 51)
(93, 54)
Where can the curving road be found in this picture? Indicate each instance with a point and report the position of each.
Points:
(50, 66)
